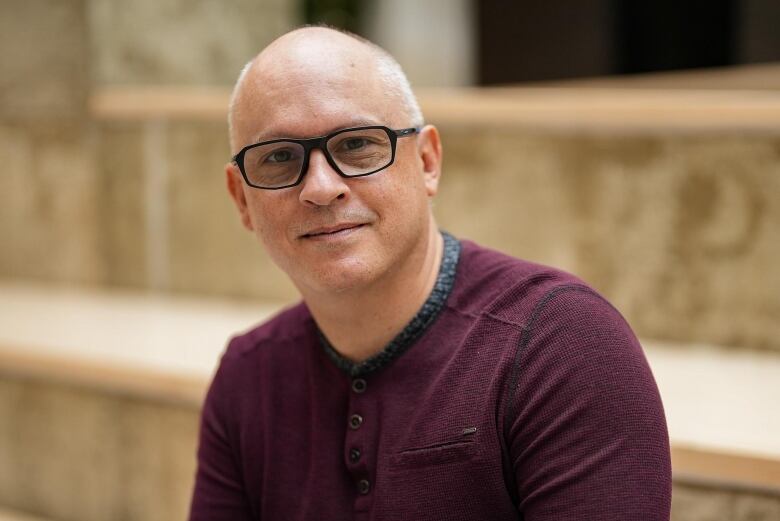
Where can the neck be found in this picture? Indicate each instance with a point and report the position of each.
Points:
(360, 324)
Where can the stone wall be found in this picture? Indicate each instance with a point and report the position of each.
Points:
(72, 454)
(702, 501)
(49, 214)
(81, 202)
(44, 60)
(182, 235)
(181, 42)
(678, 231)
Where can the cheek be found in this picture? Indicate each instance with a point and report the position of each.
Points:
(268, 221)
(269, 232)
(404, 204)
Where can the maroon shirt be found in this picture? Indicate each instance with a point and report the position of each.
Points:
(517, 392)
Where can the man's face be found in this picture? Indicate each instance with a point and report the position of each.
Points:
(329, 233)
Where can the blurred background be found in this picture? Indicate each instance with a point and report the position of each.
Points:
(645, 135)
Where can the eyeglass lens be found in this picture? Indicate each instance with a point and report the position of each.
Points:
(355, 152)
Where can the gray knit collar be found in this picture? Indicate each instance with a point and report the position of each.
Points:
(416, 327)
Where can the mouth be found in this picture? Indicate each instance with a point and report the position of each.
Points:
(332, 231)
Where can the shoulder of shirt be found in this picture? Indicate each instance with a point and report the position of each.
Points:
(491, 283)
(285, 327)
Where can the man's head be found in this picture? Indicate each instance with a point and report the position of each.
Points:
(312, 82)
(384, 68)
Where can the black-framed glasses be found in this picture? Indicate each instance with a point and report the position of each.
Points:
(352, 152)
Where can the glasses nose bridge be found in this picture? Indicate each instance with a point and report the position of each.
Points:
(320, 143)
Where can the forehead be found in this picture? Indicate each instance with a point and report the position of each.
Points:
(309, 91)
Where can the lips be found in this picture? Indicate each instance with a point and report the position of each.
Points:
(331, 230)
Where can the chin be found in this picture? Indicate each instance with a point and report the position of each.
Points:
(340, 276)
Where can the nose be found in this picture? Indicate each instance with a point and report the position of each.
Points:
(322, 185)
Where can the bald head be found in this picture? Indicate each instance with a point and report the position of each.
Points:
(326, 58)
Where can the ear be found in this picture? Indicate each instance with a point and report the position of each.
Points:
(235, 186)
(429, 149)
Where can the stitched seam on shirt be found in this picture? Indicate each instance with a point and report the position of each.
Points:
(491, 316)
(509, 408)
(486, 314)
(515, 325)
(528, 331)
(460, 312)
(530, 280)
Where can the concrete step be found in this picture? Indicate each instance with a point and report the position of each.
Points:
(712, 394)
(99, 408)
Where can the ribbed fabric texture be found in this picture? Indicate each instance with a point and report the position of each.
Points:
(528, 397)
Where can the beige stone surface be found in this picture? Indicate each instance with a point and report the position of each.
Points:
(58, 440)
(721, 502)
(696, 504)
(168, 222)
(758, 507)
(117, 202)
(158, 463)
(679, 233)
(150, 335)
(181, 42)
(70, 454)
(746, 77)
(210, 251)
(122, 223)
(49, 214)
(44, 67)
(15, 515)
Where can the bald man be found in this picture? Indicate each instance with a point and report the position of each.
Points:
(421, 377)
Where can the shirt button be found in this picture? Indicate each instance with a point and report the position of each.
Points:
(364, 486)
(355, 421)
(358, 385)
(354, 455)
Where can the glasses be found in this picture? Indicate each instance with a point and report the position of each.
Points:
(352, 152)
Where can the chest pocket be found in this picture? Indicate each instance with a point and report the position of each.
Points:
(458, 449)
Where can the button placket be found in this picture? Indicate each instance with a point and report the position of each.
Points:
(360, 436)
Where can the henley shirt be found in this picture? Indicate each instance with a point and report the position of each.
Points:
(517, 392)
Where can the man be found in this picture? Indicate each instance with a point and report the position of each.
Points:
(421, 377)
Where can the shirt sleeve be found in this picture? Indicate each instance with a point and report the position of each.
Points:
(219, 491)
(586, 429)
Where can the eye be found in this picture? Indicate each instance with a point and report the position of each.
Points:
(355, 143)
(280, 156)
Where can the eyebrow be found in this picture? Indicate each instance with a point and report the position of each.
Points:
(259, 138)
